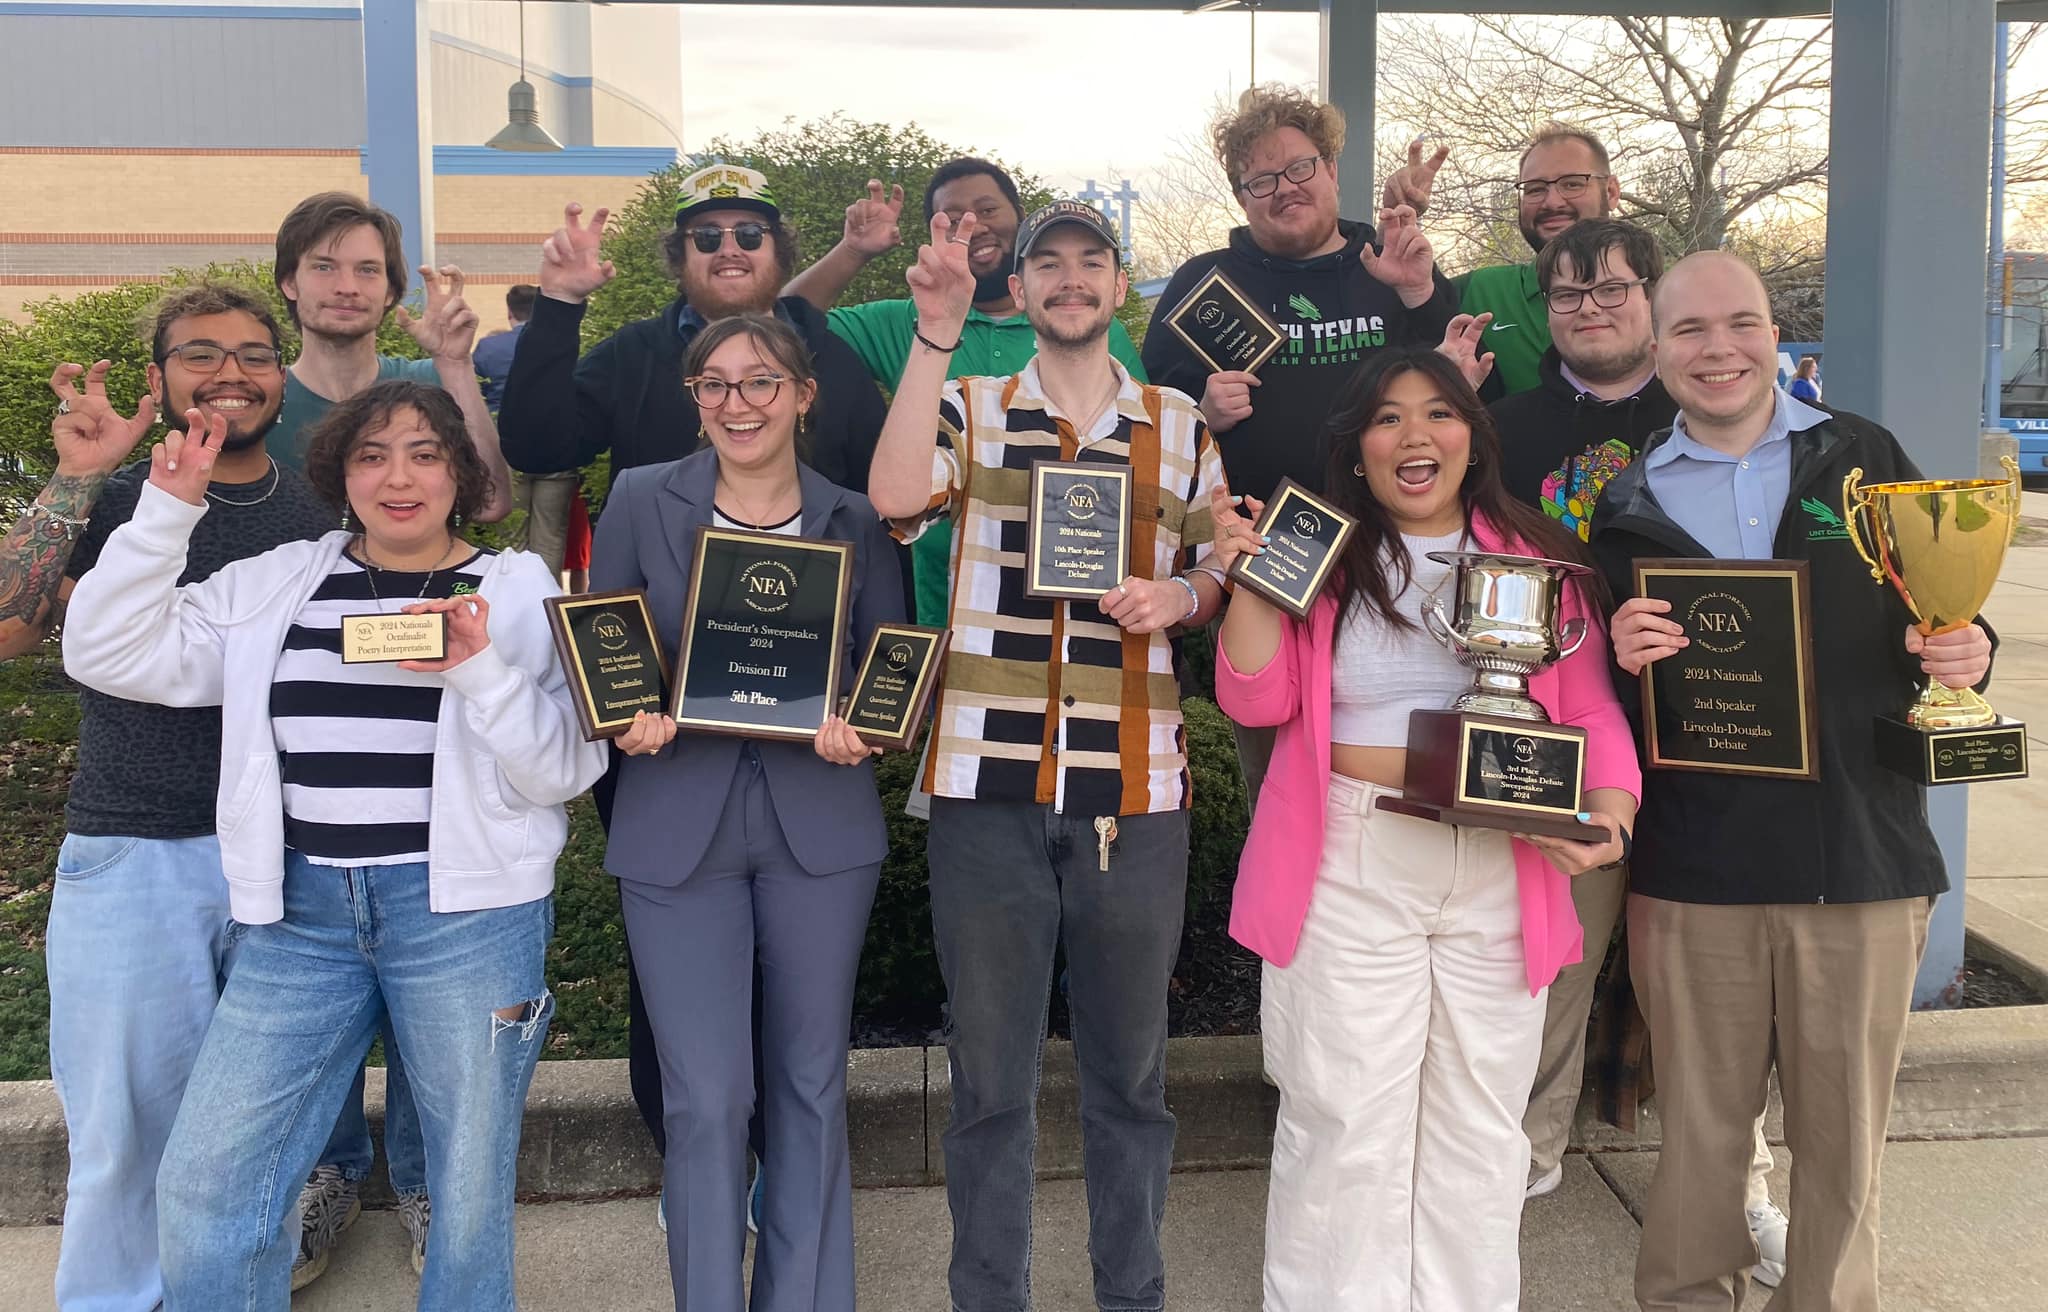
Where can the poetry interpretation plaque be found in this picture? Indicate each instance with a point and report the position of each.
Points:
(1739, 697)
(1078, 539)
(764, 622)
(368, 639)
(614, 661)
(1307, 534)
(895, 683)
(1225, 328)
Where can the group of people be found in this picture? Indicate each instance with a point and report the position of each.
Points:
(290, 855)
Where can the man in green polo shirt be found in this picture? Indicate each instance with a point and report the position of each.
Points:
(1565, 177)
(996, 341)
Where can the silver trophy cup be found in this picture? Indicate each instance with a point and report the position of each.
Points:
(1504, 626)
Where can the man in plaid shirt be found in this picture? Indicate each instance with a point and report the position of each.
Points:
(1058, 763)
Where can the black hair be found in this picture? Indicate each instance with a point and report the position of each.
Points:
(969, 166)
(1588, 240)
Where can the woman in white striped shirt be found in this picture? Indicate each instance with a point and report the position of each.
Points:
(389, 833)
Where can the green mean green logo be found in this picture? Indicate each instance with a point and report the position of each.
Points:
(1304, 307)
(1827, 524)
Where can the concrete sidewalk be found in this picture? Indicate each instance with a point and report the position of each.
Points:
(1964, 1231)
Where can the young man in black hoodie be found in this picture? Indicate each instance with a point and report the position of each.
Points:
(1770, 916)
(1337, 295)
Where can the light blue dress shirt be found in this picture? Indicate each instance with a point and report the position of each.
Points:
(1730, 504)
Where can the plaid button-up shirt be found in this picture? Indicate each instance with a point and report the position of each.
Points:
(1051, 701)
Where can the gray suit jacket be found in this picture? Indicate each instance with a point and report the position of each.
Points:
(668, 804)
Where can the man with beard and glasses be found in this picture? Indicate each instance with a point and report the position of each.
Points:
(1339, 297)
(997, 339)
(340, 266)
(1059, 768)
(730, 252)
(139, 934)
(1565, 177)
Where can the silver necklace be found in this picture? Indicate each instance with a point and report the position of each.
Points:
(371, 569)
(275, 478)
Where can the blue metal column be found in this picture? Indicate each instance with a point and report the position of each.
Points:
(1994, 286)
(1347, 65)
(1908, 139)
(398, 109)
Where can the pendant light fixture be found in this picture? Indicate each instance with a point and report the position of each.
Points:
(523, 131)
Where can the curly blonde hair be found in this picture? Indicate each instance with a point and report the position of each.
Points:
(1265, 109)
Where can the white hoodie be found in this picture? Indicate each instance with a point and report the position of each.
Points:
(508, 752)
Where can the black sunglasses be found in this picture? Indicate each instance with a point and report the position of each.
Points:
(709, 237)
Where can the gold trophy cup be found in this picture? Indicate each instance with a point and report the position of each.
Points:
(1940, 542)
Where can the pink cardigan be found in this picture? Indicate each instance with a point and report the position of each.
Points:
(1276, 875)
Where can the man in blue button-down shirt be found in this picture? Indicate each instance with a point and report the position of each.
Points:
(1770, 916)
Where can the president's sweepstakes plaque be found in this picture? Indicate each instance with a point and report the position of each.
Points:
(1225, 328)
(370, 639)
(1078, 540)
(1739, 697)
(895, 684)
(764, 623)
(1307, 534)
(615, 664)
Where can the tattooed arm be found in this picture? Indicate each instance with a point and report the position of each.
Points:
(91, 439)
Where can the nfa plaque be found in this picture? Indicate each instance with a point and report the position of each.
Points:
(1078, 538)
(1306, 535)
(378, 638)
(1225, 328)
(895, 684)
(614, 661)
(764, 625)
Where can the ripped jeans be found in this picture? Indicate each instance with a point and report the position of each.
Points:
(298, 1014)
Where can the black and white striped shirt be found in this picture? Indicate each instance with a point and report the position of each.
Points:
(356, 742)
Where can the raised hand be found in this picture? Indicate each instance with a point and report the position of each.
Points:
(468, 621)
(1462, 337)
(91, 437)
(871, 221)
(570, 266)
(838, 743)
(1412, 183)
(182, 464)
(1404, 261)
(1234, 534)
(447, 330)
(1227, 399)
(941, 284)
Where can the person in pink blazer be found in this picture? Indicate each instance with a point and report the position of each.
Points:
(1405, 960)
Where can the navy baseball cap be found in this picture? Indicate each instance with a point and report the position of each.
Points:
(1047, 217)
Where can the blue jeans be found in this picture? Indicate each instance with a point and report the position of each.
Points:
(139, 943)
(1011, 882)
(405, 1157)
(287, 1040)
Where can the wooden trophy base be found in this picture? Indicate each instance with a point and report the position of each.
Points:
(1952, 756)
(1495, 772)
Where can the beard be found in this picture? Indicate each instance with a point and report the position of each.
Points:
(995, 284)
(238, 438)
(1063, 336)
(1611, 366)
(717, 298)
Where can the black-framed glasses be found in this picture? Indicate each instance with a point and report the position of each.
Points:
(709, 236)
(758, 391)
(206, 358)
(1606, 295)
(1265, 184)
(1571, 186)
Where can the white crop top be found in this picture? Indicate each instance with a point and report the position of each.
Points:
(1379, 673)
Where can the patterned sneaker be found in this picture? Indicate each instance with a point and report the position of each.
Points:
(1768, 1225)
(328, 1204)
(414, 1212)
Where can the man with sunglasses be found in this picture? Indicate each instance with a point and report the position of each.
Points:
(1337, 295)
(730, 252)
(139, 933)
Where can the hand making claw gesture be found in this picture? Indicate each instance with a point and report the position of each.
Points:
(447, 330)
(182, 464)
(871, 221)
(92, 437)
(570, 265)
(941, 284)
(1461, 343)
(1404, 260)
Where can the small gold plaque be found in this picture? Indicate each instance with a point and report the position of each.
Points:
(371, 638)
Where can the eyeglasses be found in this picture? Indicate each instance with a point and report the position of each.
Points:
(709, 237)
(1265, 184)
(1571, 186)
(206, 358)
(758, 391)
(1606, 295)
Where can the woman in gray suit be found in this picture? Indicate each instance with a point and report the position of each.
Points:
(733, 851)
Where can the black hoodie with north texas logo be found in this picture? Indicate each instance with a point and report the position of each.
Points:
(1335, 314)
(1560, 446)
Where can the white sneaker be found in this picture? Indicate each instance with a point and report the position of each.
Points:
(416, 1213)
(1545, 1183)
(1768, 1225)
